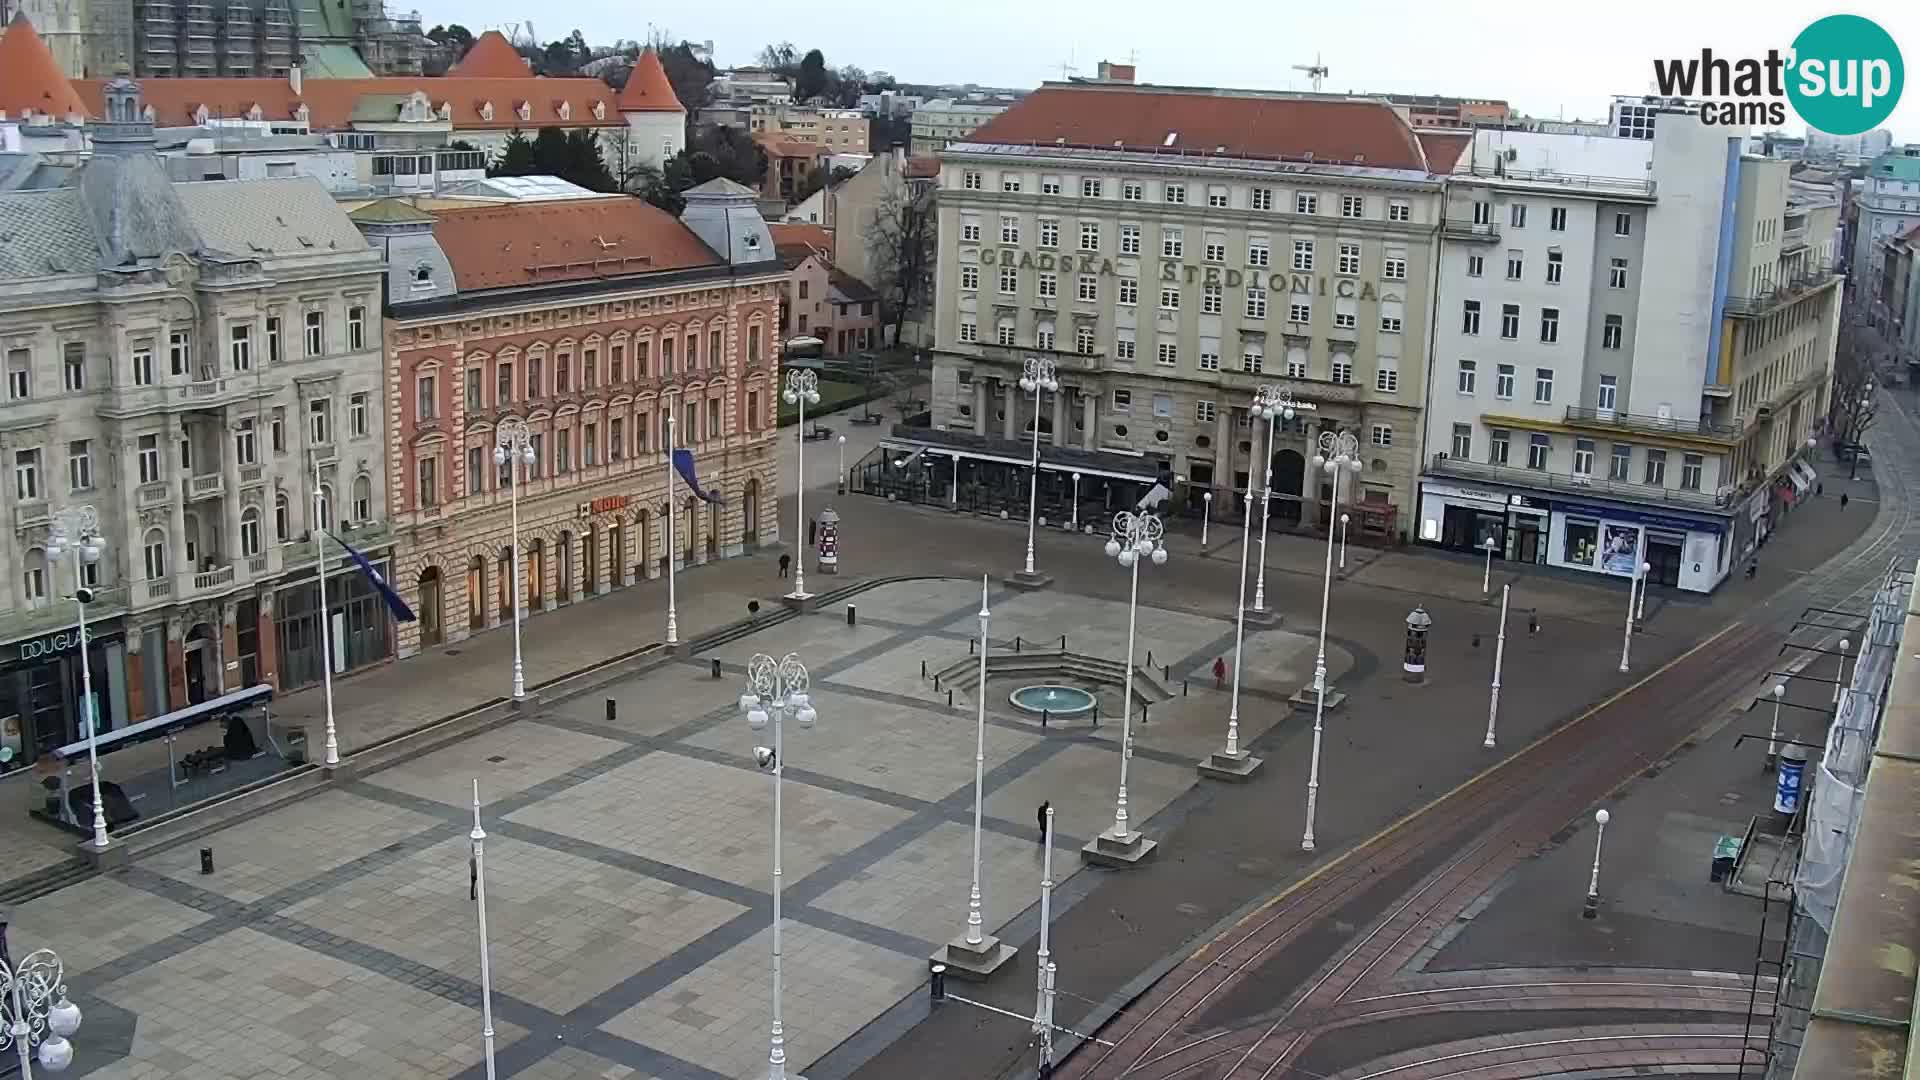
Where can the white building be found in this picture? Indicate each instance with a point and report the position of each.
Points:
(1886, 206)
(1633, 338)
(942, 122)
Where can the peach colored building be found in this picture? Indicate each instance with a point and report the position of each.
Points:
(594, 322)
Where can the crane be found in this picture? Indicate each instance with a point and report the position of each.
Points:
(1316, 71)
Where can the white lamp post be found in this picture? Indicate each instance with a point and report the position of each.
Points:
(777, 690)
(1043, 960)
(1136, 536)
(1343, 541)
(1233, 763)
(1626, 639)
(1499, 655)
(479, 838)
(35, 1008)
(1076, 501)
(1270, 403)
(1592, 907)
(332, 758)
(1339, 453)
(803, 389)
(840, 481)
(513, 450)
(1486, 576)
(1773, 734)
(673, 540)
(1036, 376)
(1840, 676)
(78, 528)
(976, 953)
(1206, 516)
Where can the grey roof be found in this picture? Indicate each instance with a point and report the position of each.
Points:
(282, 216)
(136, 214)
(44, 233)
(720, 185)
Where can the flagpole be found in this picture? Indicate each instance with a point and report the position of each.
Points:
(326, 617)
(673, 540)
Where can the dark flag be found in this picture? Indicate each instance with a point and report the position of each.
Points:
(394, 604)
(683, 464)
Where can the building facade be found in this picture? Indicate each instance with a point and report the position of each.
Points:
(942, 122)
(1632, 340)
(607, 323)
(1172, 250)
(1439, 111)
(1888, 204)
(165, 38)
(190, 375)
(838, 131)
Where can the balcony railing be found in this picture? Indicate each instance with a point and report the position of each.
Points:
(1447, 465)
(218, 578)
(148, 495)
(1614, 419)
(1613, 185)
(206, 487)
(55, 614)
(251, 474)
(1748, 307)
(28, 514)
(153, 591)
(1457, 229)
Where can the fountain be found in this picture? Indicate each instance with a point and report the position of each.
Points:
(1052, 698)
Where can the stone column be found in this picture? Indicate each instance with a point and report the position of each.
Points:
(176, 504)
(980, 406)
(1060, 418)
(1087, 437)
(230, 545)
(1223, 462)
(1010, 426)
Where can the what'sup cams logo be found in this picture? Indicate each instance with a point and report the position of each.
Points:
(1843, 76)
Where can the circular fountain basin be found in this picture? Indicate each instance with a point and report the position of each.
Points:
(1052, 698)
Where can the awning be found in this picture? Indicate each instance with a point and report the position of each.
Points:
(1806, 473)
(1799, 480)
(1118, 468)
(174, 721)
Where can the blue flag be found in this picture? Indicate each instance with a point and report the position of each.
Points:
(399, 607)
(683, 464)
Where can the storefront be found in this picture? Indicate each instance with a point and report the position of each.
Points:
(41, 686)
(1464, 519)
(360, 623)
(1685, 552)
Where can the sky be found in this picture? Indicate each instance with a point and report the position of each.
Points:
(1544, 59)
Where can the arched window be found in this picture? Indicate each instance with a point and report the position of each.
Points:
(282, 518)
(250, 531)
(34, 577)
(362, 499)
(326, 507)
(156, 554)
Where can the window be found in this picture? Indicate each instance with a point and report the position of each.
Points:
(476, 470)
(1469, 373)
(149, 455)
(969, 330)
(1129, 239)
(320, 422)
(1169, 354)
(1133, 191)
(1543, 386)
(1009, 230)
(1009, 181)
(1516, 266)
(1656, 474)
(1043, 337)
(1049, 233)
(1610, 332)
(80, 465)
(1123, 346)
(1352, 206)
(534, 380)
(969, 281)
(1299, 310)
(1049, 286)
(1609, 388)
(26, 475)
(142, 366)
(1087, 288)
(250, 531)
(1393, 268)
(590, 439)
(1483, 213)
(1049, 185)
(1555, 264)
(325, 508)
(154, 549)
(1349, 260)
(1517, 214)
(1690, 468)
(1083, 340)
(1623, 224)
(316, 333)
(1342, 368)
(1173, 242)
(1462, 441)
(1343, 320)
(1204, 412)
(1503, 381)
(1303, 255)
(1399, 210)
(716, 349)
(362, 498)
(970, 180)
(1089, 188)
(1005, 333)
(1549, 325)
(1382, 435)
(1386, 378)
(1498, 440)
(970, 231)
(617, 361)
(273, 339)
(753, 344)
(1557, 219)
(1470, 317)
(357, 415)
(1256, 303)
(475, 381)
(1617, 274)
(1216, 247)
(282, 518)
(244, 450)
(1122, 400)
(1009, 280)
(186, 455)
(1129, 291)
(1162, 405)
(1538, 447)
(503, 382)
(1296, 363)
(1510, 321)
(1305, 202)
(74, 365)
(1261, 198)
(1476, 265)
(1209, 357)
(356, 328)
(1389, 324)
(1252, 359)
(1620, 466)
(563, 450)
(179, 353)
(1211, 300)
(1175, 194)
(1089, 236)
(19, 374)
(1258, 252)
(1583, 457)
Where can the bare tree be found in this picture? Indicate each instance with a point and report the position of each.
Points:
(1853, 403)
(901, 249)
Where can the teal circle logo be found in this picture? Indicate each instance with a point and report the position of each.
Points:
(1846, 75)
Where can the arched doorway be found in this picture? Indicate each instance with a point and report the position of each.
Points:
(504, 575)
(565, 583)
(713, 527)
(431, 631)
(1289, 478)
(643, 560)
(617, 554)
(750, 514)
(691, 518)
(592, 578)
(202, 663)
(477, 593)
(536, 586)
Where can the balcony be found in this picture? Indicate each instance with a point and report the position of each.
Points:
(1753, 307)
(147, 496)
(153, 591)
(206, 487)
(1539, 479)
(209, 393)
(207, 580)
(28, 514)
(250, 475)
(1015, 356)
(1308, 391)
(1614, 187)
(1471, 231)
(1615, 420)
(58, 614)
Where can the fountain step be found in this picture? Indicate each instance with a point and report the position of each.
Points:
(976, 964)
(1118, 853)
(1232, 768)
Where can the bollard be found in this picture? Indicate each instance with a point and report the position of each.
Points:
(971, 642)
(1063, 643)
(1166, 673)
(206, 860)
(949, 699)
(1016, 643)
(1096, 714)
(923, 669)
(1533, 622)
(938, 984)
(936, 683)
(610, 710)
(1044, 714)
(1143, 712)
(716, 667)
(1183, 688)
(1150, 658)
(1476, 639)
(850, 618)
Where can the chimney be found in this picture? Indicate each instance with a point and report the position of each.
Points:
(293, 79)
(1109, 72)
(899, 157)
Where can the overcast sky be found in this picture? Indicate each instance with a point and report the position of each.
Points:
(1545, 59)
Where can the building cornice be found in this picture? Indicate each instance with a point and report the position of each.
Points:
(1140, 162)
(539, 298)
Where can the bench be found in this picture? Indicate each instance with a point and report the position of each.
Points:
(818, 433)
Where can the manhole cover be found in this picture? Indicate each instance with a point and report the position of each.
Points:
(497, 758)
(1188, 909)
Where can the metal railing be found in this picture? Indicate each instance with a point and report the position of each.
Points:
(1614, 184)
(1671, 425)
(1788, 292)
(1625, 491)
(1458, 229)
(208, 484)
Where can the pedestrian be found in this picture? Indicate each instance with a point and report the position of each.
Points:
(786, 563)
(1843, 500)
(1219, 672)
(813, 530)
(1042, 817)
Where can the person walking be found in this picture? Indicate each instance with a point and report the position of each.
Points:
(1219, 673)
(786, 563)
(1045, 805)
(1843, 500)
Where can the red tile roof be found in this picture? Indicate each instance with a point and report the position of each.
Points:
(1241, 124)
(492, 57)
(330, 102)
(789, 148)
(648, 89)
(1444, 148)
(30, 78)
(922, 168)
(494, 247)
(801, 233)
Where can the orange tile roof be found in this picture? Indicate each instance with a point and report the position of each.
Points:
(495, 247)
(922, 168)
(648, 89)
(331, 101)
(1150, 119)
(492, 57)
(30, 78)
(1443, 148)
(789, 148)
(801, 232)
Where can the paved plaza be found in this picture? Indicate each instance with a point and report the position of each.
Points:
(628, 861)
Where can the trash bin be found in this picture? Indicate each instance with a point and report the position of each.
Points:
(1726, 852)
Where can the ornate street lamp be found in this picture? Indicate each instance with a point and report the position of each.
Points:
(513, 450)
(1339, 454)
(77, 529)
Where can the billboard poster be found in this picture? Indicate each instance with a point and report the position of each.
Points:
(1619, 548)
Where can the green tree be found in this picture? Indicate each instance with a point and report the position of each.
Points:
(812, 79)
(516, 157)
(586, 165)
(453, 36)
